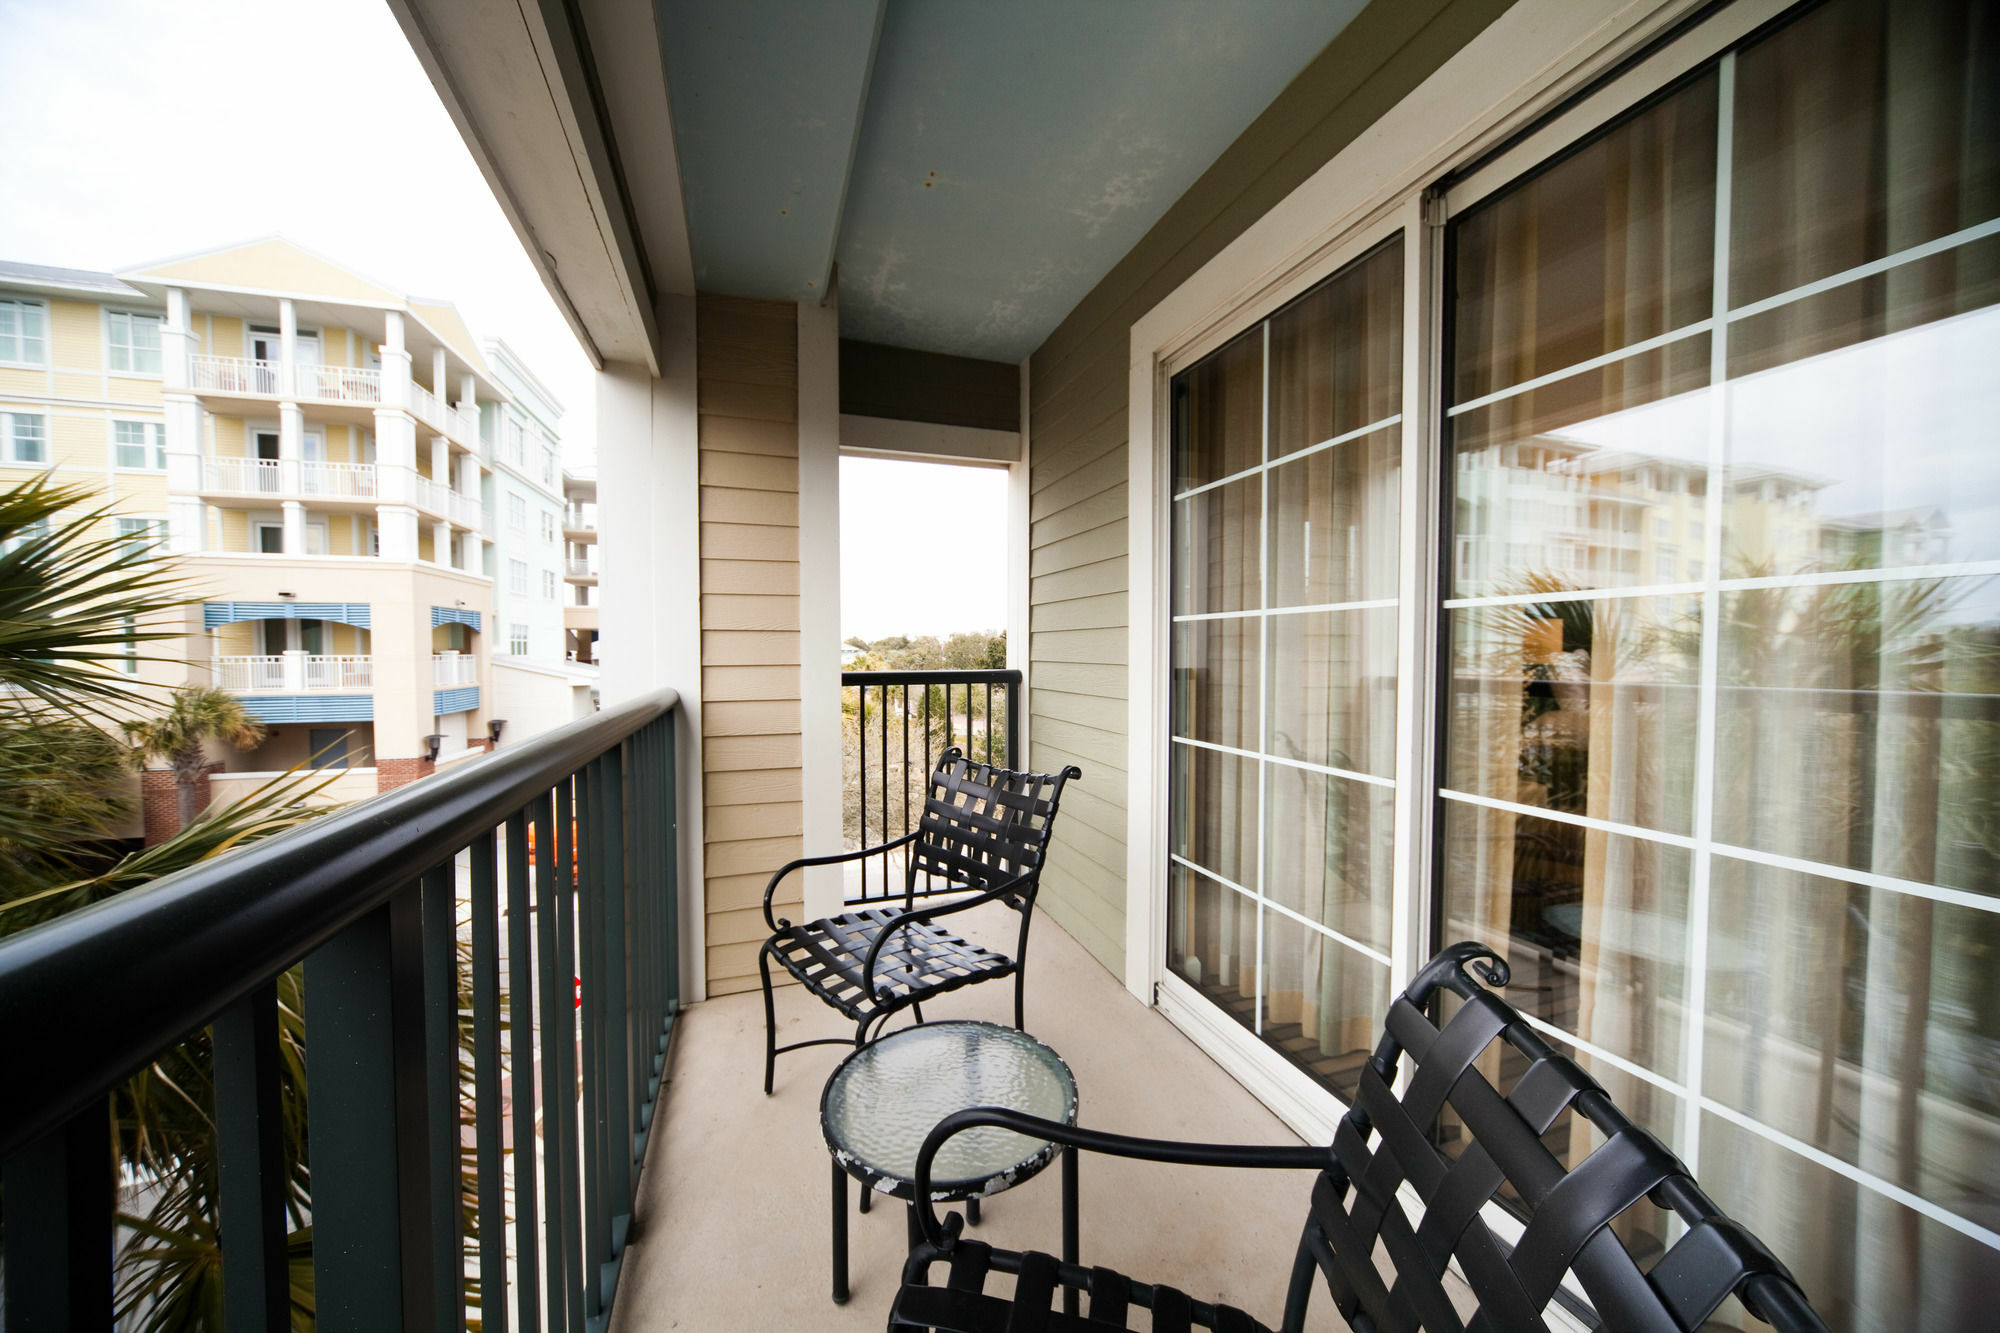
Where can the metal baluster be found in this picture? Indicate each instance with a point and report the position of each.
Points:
(619, 1058)
(552, 996)
(564, 885)
(670, 853)
(884, 711)
(861, 731)
(521, 1051)
(250, 1161)
(58, 1255)
(989, 721)
(440, 991)
(486, 1084)
(590, 950)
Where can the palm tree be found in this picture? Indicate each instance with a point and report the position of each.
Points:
(196, 716)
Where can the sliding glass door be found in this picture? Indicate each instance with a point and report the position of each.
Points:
(1286, 487)
(1715, 547)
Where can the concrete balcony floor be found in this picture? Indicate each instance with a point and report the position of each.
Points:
(731, 1231)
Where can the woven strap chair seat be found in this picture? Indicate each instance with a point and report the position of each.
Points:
(963, 1306)
(921, 960)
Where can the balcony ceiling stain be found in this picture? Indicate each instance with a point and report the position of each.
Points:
(972, 169)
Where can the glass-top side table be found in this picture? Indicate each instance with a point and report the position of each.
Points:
(884, 1099)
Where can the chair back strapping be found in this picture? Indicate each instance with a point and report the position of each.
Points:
(1569, 1211)
(983, 826)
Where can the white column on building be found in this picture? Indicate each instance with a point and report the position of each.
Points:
(187, 515)
(440, 382)
(291, 428)
(396, 448)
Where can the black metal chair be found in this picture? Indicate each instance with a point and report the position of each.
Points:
(1355, 1205)
(984, 832)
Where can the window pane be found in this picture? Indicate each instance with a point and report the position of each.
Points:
(1323, 1002)
(1333, 689)
(1212, 941)
(1609, 247)
(1888, 696)
(1584, 706)
(1330, 851)
(1337, 354)
(1219, 409)
(30, 441)
(1335, 522)
(1214, 812)
(1216, 535)
(1216, 681)
(1593, 924)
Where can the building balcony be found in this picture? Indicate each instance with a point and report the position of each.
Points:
(257, 482)
(579, 529)
(350, 393)
(449, 670)
(292, 673)
(581, 572)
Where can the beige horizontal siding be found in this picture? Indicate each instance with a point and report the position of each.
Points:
(1080, 576)
(751, 749)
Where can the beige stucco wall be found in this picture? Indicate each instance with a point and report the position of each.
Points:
(1078, 569)
(751, 752)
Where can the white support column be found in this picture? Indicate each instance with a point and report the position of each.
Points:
(187, 516)
(396, 447)
(819, 598)
(440, 385)
(651, 575)
(1019, 608)
(295, 526)
(441, 543)
(397, 527)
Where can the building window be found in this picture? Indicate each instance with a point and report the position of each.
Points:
(129, 662)
(24, 338)
(24, 436)
(517, 442)
(549, 584)
(139, 535)
(135, 342)
(517, 512)
(29, 532)
(140, 444)
(548, 526)
(548, 466)
(517, 578)
(517, 640)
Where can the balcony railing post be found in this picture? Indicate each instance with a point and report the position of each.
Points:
(352, 1059)
(486, 1084)
(440, 1110)
(620, 1048)
(59, 1188)
(521, 1054)
(249, 1141)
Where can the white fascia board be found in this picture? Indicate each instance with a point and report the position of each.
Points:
(883, 437)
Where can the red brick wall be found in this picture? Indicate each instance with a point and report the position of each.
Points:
(160, 804)
(393, 773)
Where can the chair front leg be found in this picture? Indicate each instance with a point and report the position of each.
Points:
(770, 1019)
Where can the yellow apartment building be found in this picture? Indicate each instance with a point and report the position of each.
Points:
(315, 451)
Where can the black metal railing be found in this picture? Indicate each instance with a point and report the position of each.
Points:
(490, 980)
(895, 725)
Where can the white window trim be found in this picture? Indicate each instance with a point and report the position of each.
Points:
(105, 320)
(46, 360)
(160, 443)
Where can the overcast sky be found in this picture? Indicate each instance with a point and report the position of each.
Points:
(135, 132)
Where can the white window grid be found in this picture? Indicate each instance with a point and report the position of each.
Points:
(517, 640)
(137, 535)
(24, 437)
(549, 584)
(517, 512)
(24, 332)
(517, 577)
(1702, 581)
(134, 340)
(139, 445)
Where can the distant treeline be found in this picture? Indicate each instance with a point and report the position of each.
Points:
(971, 650)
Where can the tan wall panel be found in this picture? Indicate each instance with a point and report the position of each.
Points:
(229, 436)
(723, 683)
(750, 472)
(734, 893)
(16, 380)
(82, 442)
(759, 578)
(228, 337)
(748, 401)
(125, 390)
(753, 717)
(778, 509)
(84, 386)
(1105, 611)
(76, 335)
(749, 613)
(734, 435)
(743, 541)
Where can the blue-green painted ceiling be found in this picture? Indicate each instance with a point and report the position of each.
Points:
(975, 168)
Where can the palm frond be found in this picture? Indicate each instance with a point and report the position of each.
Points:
(74, 601)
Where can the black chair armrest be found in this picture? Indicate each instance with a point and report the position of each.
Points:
(1263, 1156)
(921, 914)
(834, 859)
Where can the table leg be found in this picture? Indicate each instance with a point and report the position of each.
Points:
(867, 1195)
(972, 1212)
(840, 1235)
(1069, 1226)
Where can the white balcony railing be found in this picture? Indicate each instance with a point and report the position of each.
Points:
(579, 569)
(242, 476)
(428, 410)
(340, 673)
(467, 511)
(352, 481)
(250, 673)
(339, 384)
(465, 425)
(290, 672)
(449, 669)
(234, 374)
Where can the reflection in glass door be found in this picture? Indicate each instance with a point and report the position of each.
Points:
(1720, 762)
(1287, 448)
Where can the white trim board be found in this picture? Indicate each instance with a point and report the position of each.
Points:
(884, 437)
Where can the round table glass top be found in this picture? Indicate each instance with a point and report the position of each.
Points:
(886, 1097)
